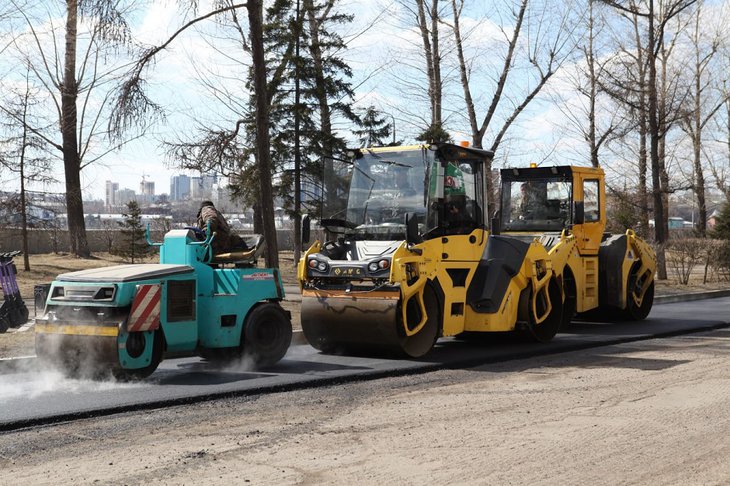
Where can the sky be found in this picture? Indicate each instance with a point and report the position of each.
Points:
(384, 53)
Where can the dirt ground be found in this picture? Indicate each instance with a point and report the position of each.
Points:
(652, 412)
(45, 267)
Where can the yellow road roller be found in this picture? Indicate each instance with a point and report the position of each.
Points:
(407, 257)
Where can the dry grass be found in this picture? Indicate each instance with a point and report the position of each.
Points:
(45, 267)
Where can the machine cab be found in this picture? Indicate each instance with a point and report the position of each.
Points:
(368, 197)
(540, 200)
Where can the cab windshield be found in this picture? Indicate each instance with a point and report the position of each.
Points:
(369, 196)
(535, 205)
(372, 194)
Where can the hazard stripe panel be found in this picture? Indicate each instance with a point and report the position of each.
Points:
(145, 313)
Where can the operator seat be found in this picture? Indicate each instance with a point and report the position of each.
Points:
(255, 245)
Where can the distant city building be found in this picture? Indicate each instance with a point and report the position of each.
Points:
(207, 183)
(147, 188)
(221, 196)
(196, 188)
(111, 190)
(123, 196)
(179, 188)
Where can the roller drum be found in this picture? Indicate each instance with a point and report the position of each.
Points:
(366, 321)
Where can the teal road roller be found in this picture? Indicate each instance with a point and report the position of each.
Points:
(125, 319)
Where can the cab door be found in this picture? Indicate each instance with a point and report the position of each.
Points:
(589, 197)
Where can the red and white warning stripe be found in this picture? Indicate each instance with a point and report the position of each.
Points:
(145, 314)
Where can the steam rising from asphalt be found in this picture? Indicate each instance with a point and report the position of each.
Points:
(32, 381)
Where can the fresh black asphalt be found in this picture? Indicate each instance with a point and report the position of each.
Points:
(32, 396)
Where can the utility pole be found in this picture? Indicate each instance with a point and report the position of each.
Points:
(393, 143)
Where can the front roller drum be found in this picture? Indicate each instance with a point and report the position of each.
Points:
(367, 321)
(77, 355)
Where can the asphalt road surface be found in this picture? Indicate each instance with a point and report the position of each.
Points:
(30, 395)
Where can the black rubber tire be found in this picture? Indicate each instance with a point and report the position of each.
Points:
(122, 374)
(24, 313)
(266, 334)
(635, 312)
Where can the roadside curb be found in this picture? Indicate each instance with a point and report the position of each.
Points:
(711, 294)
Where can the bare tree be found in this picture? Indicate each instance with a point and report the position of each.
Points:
(587, 118)
(547, 47)
(655, 30)
(133, 108)
(22, 151)
(706, 99)
(72, 77)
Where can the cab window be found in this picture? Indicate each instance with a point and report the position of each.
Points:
(590, 201)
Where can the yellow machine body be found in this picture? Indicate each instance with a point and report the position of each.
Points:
(384, 283)
(603, 271)
(403, 290)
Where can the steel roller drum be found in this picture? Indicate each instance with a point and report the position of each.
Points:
(367, 321)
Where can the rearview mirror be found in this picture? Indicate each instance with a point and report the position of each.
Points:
(306, 228)
(495, 226)
(412, 236)
(578, 212)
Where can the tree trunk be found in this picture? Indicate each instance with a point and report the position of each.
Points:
(592, 100)
(71, 160)
(643, 131)
(23, 205)
(696, 132)
(263, 156)
(258, 221)
(659, 234)
(325, 113)
(431, 53)
(436, 116)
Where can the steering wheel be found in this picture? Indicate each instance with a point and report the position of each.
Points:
(199, 233)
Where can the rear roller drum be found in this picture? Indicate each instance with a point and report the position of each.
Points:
(547, 329)
(634, 311)
(421, 343)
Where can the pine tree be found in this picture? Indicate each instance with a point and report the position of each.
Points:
(326, 94)
(375, 129)
(722, 227)
(434, 134)
(133, 244)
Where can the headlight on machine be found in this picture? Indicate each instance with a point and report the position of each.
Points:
(318, 265)
(379, 265)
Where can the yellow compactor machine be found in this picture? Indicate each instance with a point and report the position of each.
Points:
(408, 258)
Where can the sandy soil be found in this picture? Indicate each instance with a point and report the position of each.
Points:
(653, 412)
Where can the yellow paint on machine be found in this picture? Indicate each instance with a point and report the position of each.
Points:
(77, 330)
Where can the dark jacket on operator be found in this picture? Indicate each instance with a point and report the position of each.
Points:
(224, 240)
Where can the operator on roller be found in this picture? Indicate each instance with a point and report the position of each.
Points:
(224, 240)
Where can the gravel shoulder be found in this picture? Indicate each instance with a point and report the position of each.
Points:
(651, 412)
